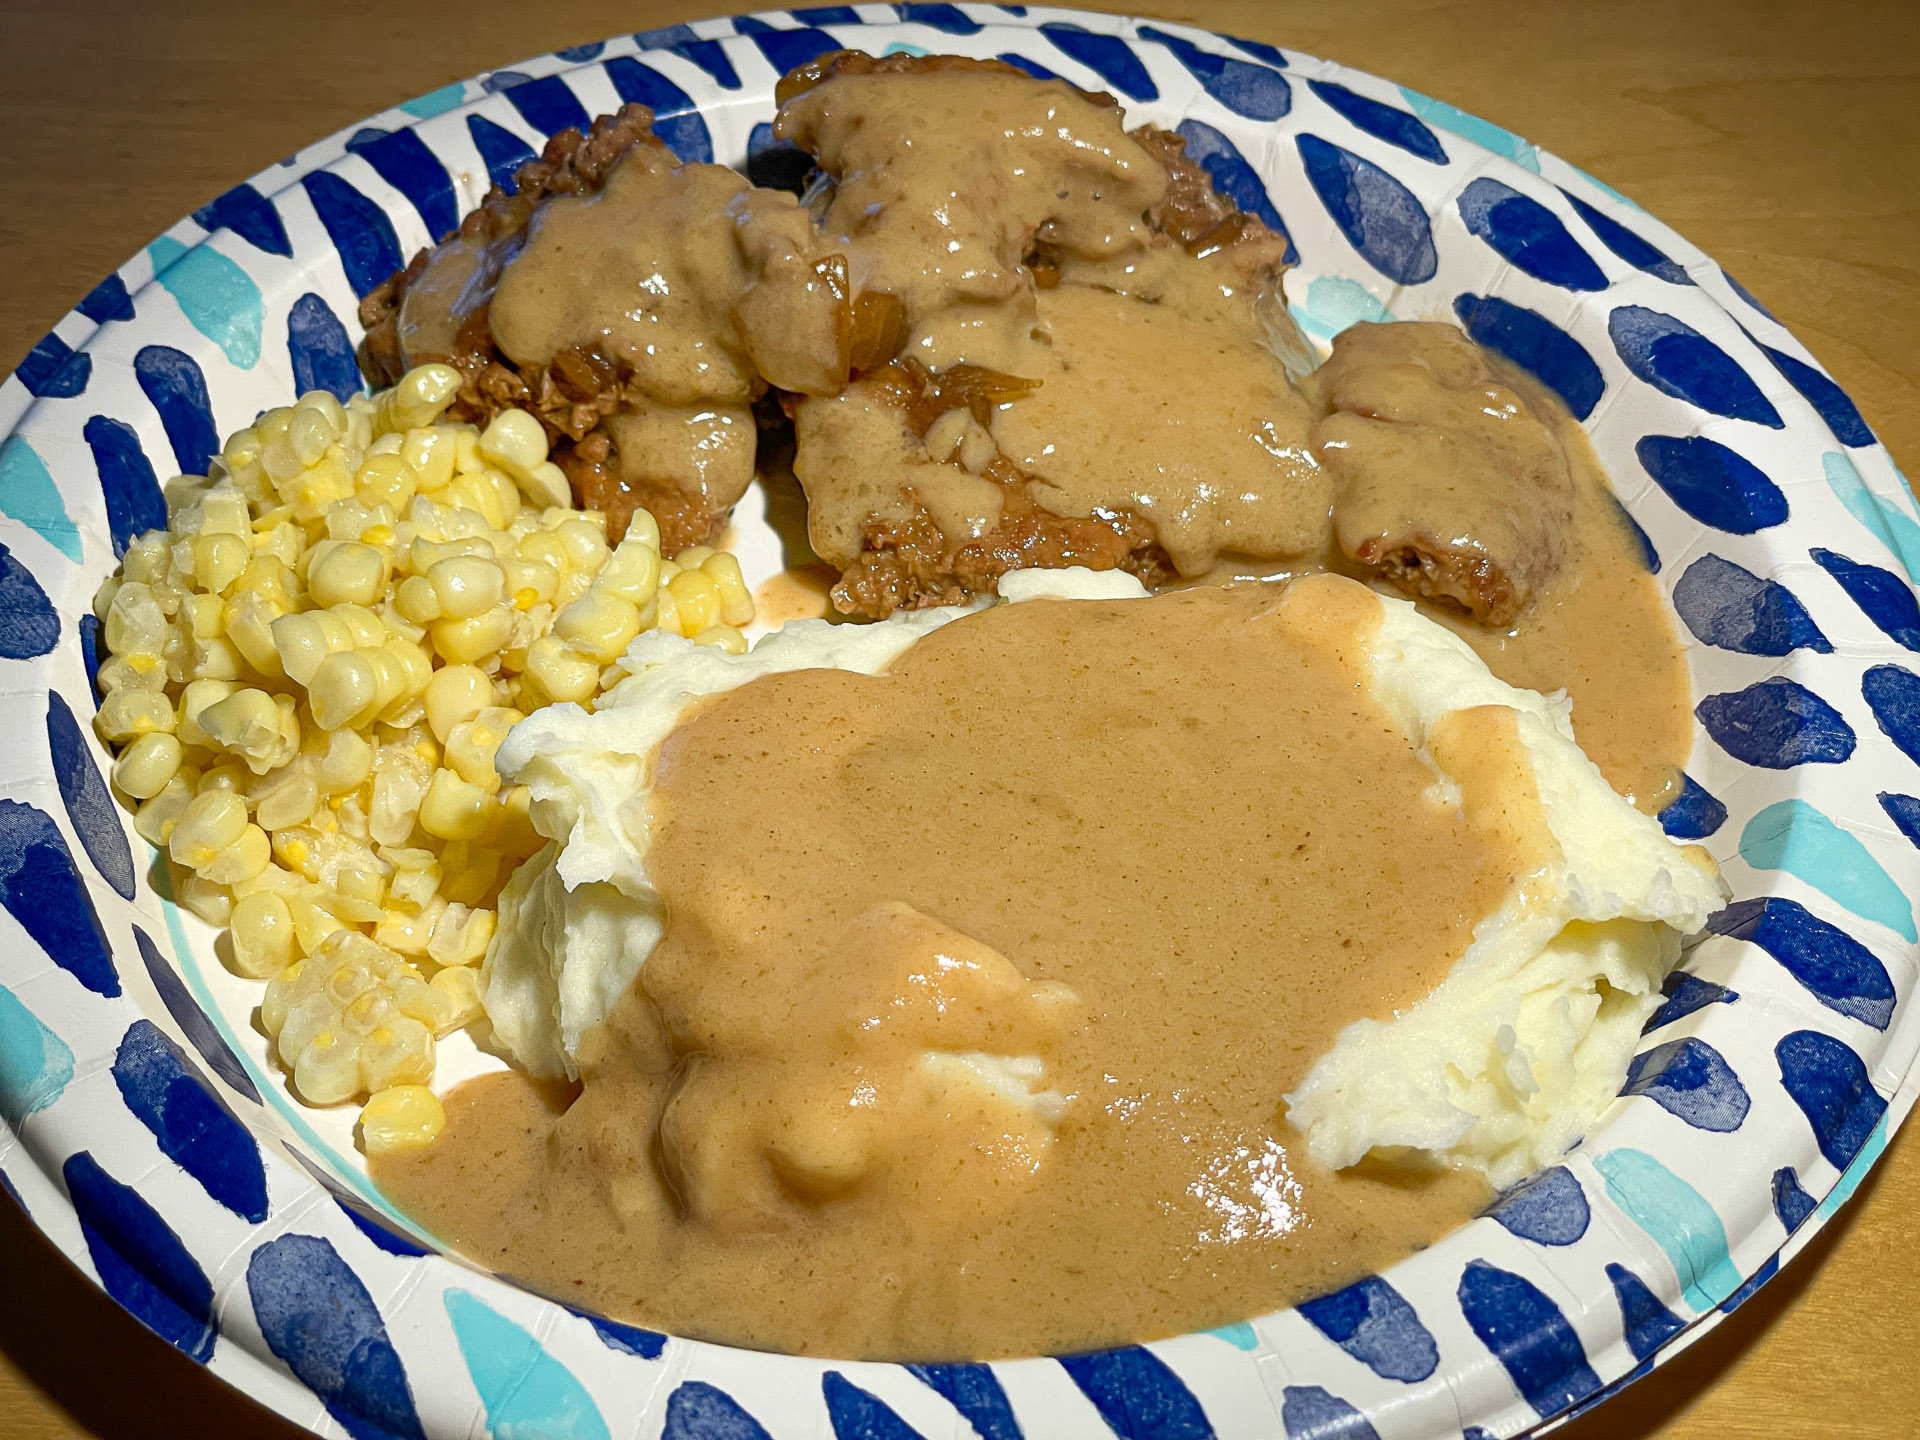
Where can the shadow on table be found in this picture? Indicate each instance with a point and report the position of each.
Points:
(1647, 1406)
(99, 1364)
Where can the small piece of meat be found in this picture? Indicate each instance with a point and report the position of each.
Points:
(1203, 220)
(1448, 481)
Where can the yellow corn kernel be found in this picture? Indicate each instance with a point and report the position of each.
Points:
(429, 450)
(599, 624)
(736, 601)
(454, 809)
(249, 621)
(417, 600)
(247, 724)
(725, 637)
(155, 819)
(511, 831)
(343, 758)
(460, 984)
(203, 898)
(466, 585)
(698, 600)
(423, 392)
(288, 799)
(344, 688)
(561, 672)
(302, 643)
(471, 875)
(143, 769)
(245, 858)
(643, 529)
(668, 569)
(460, 936)
(534, 579)
(514, 441)
(274, 880)
(632, 572)
(194, 699)
(347, 572)
(262, 934)
(312, 924)
(543, 548)
(401, 1117)
(694, 556)
(585, 543)
(218, 561)
(386, 480)
(480, 637)
(471, 745)
(212, 820)
(128, 714)
(225, 776)
(409, 932)
(456, 693)
(202, 614)
(357, 626)
(546, 485)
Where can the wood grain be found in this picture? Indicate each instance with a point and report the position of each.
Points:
(1780, 138)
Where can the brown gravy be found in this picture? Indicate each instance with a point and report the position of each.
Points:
(1167, 850)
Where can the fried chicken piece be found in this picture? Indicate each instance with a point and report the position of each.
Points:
(1448, 481)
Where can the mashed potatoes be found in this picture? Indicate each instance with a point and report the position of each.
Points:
(1502, 1067)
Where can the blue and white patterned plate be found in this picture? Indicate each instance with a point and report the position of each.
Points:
(148, 1135)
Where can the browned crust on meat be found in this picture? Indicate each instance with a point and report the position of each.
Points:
(1465, 579)
(578, 388)
(1199, 217)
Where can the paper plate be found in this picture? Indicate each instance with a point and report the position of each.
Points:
(149, 1136)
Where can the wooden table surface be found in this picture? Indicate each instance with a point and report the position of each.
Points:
(1780, 138)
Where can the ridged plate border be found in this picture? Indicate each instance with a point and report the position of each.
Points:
(146, 1137)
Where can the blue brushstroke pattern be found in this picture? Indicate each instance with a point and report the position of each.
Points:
(1829, 1083)
(1255, 91)
(1685, 994)
(54, 370)
(28, 495)
(1309, 1412)
(1904, 811)
(627, 1339)
(1536, 345)
(1768, 1269)
(35, 1064)
(977, 1394)
(135, 503)
(108, 300)
(699, 1411)
(1695, 814)
(140, 1261)
(1777, 724)
(827, 15)
(1648, 1324)
(251, 216)
(1713, 484)
(28, 625)
(321, 353)
(947, 18)
(1383, 122)
(1842, 416)
(1691, 1080)
(403, 160)
(318, 1318)
(41, 889)
(1528, 1336)
(1746, 295)
(1031, 67)
(527, 1393)
(785, 49)
(1836, 969)
(1678, 360)
(219, 299)
(676, 119)
(90, 809)
(1108, 56)
(436, 102)
(580, 54)
(1793, 836)
(1790, 1202)
(1731, 608)
(191, 1126)
(173, 382)
(88, 630)
(1137, 1395)
(1373, 1323)
(1637, 252)
(1549, 1208)
(379, 1232)
(1882, 596)
(501, 151)
(1893, 694)
(1483, 133)
(1884, 518)
(1380, 217)
(191, 1019)
(360, 231)
(856, 1414)
(1232, 176)
(548, 104)
(1259, 49)
(1528, 235)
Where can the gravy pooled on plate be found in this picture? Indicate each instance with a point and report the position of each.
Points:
(1167, 849)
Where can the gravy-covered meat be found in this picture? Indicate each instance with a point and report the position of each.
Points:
(637, 305)
(1141, 417)
(1446, 481)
